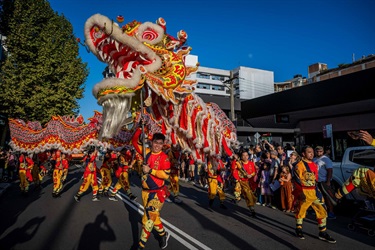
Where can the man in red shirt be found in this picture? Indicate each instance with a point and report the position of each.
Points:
(244, 171)
(156, 169)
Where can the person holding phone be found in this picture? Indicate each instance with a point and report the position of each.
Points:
(362, 135)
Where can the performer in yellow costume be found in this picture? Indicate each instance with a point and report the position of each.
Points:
(305, 178)
(215, 181)
(156, 170)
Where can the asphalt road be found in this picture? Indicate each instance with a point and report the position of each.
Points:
(41, 222)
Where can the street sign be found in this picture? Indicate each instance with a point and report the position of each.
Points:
(327, 131)
(257, 135)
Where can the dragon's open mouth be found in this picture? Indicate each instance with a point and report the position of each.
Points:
(121, 58)
(127, 57)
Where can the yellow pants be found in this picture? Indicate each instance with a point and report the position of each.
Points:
(151, 217)
(24, 183)
(123, 182)
(247, 193)
(174, 186)
(64, 175)
(304, 204)
(57, 183)
(35, 174)
(237, 191)
(89, 180)
(215, 188)
(106, 179)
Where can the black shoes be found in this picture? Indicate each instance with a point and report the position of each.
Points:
(77, 198)
(252, 213)
(326, 237)
(132, 197)
(163, 241)
(55, 195)
(300, 234)
(210, 202)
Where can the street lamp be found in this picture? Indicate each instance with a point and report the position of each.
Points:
(230, 86)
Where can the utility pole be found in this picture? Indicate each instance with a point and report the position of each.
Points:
(230, 86)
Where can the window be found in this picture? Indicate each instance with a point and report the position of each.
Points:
(217, 77)
(202, 75)
(363, 157)
(203, 86)
(216, 87)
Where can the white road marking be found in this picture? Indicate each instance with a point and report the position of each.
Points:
(168, 226)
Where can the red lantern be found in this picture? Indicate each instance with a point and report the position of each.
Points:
(120, 18)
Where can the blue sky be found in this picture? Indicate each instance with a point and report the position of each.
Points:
(281, 36)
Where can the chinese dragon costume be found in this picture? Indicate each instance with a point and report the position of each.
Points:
(149, 65)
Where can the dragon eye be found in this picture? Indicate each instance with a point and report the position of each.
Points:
(150, 33)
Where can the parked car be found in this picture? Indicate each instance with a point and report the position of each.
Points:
(353, 158)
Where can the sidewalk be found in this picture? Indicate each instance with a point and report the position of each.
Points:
(3, 187)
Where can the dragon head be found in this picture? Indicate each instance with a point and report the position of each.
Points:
(138, 54)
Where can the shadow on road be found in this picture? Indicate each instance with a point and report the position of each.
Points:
(22, 234)
(95, 233)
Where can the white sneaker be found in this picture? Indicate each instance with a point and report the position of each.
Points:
(168, 200)
(112, 198)
(95, 198)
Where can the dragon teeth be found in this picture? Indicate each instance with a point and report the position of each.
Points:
(101, 54)
(143, 58)
(117, 44)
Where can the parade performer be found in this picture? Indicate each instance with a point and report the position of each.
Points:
(174, 155)
(215, 181)
(305, 178)
(43, 160)
(243, 172)
(35, 171)
(60, 164)
(156, 170)
(65, 168)
(362, 178)
(125, 164)
(105, 172)
(89, 176)
(26, 164)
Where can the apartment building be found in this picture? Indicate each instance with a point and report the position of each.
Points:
(214, 85)
(319, 71)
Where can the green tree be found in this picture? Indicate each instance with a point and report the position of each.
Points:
(43, 74)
